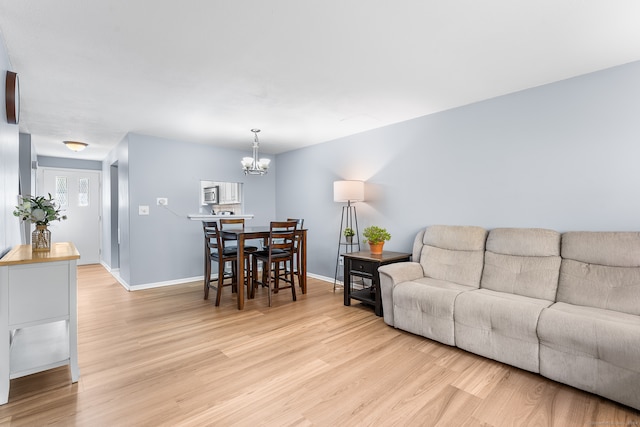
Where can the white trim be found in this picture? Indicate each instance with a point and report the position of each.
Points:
(166, 283)
(116, 275)
(107, 267)
(323, 278)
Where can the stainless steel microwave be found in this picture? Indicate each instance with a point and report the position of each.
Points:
(211, 195)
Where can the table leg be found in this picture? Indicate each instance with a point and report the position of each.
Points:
(303, 264)
(5, 336)
(240, 269)
(4, 367)
(72, 323)
(378, 301)
(346, 280)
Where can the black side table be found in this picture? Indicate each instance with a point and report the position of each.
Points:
(364, 264)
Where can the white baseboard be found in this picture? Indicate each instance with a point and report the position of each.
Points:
(323, 278)
(107, 267)
(115, 272)
(165, 283)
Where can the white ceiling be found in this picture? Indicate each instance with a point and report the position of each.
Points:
(303, 71)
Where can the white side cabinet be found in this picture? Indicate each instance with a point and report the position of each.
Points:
(38, 312)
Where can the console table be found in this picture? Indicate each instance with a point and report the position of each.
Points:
(38, 312)
(364, 264)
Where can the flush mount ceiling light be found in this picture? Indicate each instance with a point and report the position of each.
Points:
(251, 165)
(75, 145)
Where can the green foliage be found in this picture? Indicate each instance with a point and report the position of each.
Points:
(375, 234)
(348, 232)
(39, 210)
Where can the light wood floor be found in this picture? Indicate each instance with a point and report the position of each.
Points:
(167, 357)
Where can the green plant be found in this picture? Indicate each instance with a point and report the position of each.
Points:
(39, 210)
(375, 234)
(348, 232)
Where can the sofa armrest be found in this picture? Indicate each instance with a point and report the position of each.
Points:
(390, 276)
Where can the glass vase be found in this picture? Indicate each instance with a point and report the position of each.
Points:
(41, 239)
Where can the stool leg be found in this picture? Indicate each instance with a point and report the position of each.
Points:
(293, 285)
(220, 282)
(207, 279)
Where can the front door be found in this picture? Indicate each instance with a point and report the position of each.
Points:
(77, 192)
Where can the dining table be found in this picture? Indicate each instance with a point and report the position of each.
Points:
(262, 232)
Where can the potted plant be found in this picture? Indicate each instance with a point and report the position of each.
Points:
(40, 211)
(348, 234)
(376, 236)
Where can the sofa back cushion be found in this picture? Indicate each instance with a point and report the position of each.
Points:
(601, 269)
(453, 253)
(522, 261)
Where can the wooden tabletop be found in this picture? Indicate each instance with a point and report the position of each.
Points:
(384, 257)
(22, 254)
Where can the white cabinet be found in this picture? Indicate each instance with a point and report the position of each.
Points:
(229, 193)
(38, 312)
(226, 193)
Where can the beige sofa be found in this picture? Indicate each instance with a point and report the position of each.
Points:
(566, 306)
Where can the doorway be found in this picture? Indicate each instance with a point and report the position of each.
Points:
(77, 193)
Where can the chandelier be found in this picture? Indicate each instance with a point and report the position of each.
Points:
(251, 165)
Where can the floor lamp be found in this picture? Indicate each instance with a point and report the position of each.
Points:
(347, 191)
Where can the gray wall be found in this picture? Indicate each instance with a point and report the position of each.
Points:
(562, 156)
(27, 172)
(166, 245)
(68, 163)
(9, 161)
(112, 252)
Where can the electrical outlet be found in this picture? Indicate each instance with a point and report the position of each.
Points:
(143, 210)
(341, 261)
(162, 201)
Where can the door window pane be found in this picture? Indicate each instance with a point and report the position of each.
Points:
(83, 192)
(62, 191)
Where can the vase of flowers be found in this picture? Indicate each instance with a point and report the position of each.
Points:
(41, 211)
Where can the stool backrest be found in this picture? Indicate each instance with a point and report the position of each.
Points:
(282, 235)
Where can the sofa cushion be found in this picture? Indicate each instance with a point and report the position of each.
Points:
(538, 242)
(425, 307)
(454, 253)
(456, 237)
(498, 325)
(535, 277)
(601, 269)
(522, 261)
(616, 249)
(594, 349)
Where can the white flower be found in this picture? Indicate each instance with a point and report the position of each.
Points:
(39, 210)
(38, 214)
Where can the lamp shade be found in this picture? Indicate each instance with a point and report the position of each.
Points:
(348, 191)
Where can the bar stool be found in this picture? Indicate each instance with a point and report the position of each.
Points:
(279, 255)
(215, 251)
(228, 242)
(297, 249)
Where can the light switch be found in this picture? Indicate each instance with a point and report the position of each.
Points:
(143, 210)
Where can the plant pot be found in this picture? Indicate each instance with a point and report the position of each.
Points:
(349, 239)
(376, 248)
(41, 239)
